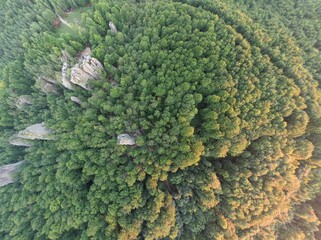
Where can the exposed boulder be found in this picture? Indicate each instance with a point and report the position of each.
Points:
(76, 100)
(125, 139)
(47, 85)
(86, 71)
(18, 141)
(23, 100)
(112, 27)
(36, 131)
(7, 171)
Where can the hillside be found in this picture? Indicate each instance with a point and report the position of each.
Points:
(191, 119)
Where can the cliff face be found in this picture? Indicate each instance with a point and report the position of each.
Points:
(7, 171)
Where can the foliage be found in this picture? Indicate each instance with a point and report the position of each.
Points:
(221, 96)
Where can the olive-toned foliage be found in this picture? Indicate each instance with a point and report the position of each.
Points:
(221, 97)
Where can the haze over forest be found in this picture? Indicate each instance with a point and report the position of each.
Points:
(168, 119)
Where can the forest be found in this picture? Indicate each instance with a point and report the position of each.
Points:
(168, 119)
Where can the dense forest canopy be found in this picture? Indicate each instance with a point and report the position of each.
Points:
(222, 99)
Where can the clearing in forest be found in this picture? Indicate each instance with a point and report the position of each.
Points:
(71, 19)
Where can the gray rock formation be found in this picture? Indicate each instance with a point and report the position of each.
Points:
(36, 131)
(18, 141)
(7, 171)
(65, 79)
(86, 71)
(125, 139)
(80, 77)
(65, 56)
(47, 85)
(48, 80)
(23, 100)
(49, 88)
(85, 52)
(75, 99)
(65, 72)
(112, 27)
(80, 74)
(92, 66)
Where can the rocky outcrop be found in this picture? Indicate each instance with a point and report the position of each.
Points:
(84, 53)
(36, 131)
(7, 171)
(92, 66)
(82, 73)
(125, 139)
(65, 71)
(48, 80)
(85, 70)
(65, 56)
(80, 77)
(65, 80)
(112, 27)
(47, 85)
(75, 99)
(23, 101)
(18, 141)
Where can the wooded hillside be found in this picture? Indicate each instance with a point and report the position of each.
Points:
(191, 119)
